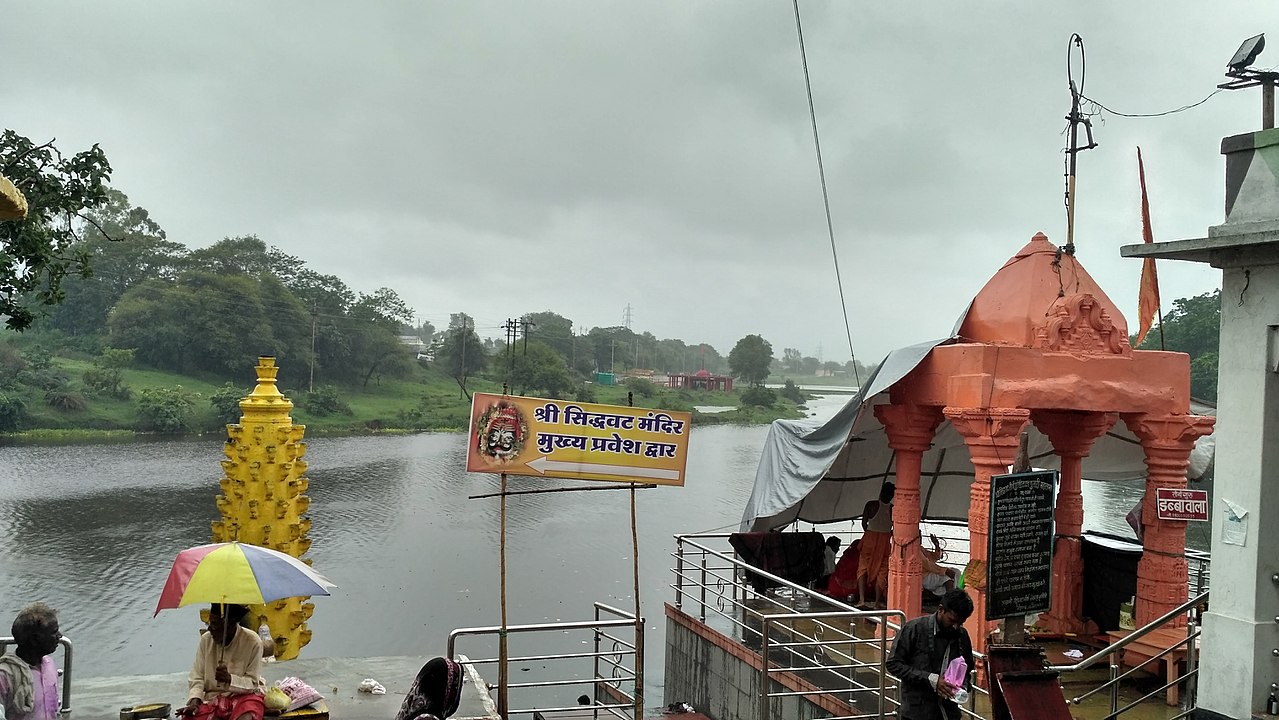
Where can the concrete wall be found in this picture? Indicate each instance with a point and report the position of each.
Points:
(720, 677)
(1240, 629)
(1240, 657)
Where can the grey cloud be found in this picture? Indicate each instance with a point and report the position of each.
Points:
(497, 158)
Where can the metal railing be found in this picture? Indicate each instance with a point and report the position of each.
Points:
(813, 655)
(1198, 567)
(710, 583)
(835, 647)
(1188, 645)
(64, 674)
(613, 654)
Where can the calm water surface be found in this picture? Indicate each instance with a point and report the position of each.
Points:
(92, 530)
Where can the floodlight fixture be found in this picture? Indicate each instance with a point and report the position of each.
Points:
(1241, 76)
(1247, 52)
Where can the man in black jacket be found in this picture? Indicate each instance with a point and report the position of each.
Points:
(921, 652)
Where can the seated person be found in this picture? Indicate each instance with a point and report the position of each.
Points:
(843, 582)
(226, 681)
(938, 580)
(436, 692)
(829, 554)
(28, 677)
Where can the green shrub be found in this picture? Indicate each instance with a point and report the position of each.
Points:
(65, 400)
(758, 396)
(165, 409)
(412, 418)
(792, 392)
(46, 378)
(585, 393)
(226, 403)
(11, 365)
(642, 387)
(106, 377)
(12, 412)
(324, 400)
(39, 357)
(106, 382)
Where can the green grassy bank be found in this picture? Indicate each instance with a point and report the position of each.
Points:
(426, 401)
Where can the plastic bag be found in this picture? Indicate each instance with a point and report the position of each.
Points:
(955, 675)
(276, 700)
(300, 694)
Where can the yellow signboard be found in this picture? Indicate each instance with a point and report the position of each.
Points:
(583, 441)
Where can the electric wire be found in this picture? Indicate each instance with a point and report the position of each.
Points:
(821, 172)
(1163, 113)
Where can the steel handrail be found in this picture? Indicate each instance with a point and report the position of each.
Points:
(741, 564)
(491, 629)
(855, 687)
(64, 674)
(612, 658)
(1120, 677)
(1132, 637)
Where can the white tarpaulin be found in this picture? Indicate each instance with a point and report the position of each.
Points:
(826, 472)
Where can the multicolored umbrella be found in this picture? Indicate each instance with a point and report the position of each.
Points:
(237, 573)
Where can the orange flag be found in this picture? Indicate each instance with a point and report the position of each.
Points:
(1148, 296)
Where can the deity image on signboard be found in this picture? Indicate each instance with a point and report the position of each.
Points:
(501, 432)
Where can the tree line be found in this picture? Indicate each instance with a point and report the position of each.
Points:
(90, 271)
(97, 272)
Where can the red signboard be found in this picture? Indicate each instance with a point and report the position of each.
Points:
(1176, 504)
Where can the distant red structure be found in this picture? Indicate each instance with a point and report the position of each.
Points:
(700, 380)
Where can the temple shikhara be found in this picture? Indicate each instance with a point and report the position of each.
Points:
(1040, 349)
(1043, 345)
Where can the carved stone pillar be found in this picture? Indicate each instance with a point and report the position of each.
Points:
(1072, 435)
(991, 436)
(910, 432)
(1161, 573)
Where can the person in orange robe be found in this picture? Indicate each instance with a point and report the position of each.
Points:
(877, 540)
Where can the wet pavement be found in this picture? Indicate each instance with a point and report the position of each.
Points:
(336, 678)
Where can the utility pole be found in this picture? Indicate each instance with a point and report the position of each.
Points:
(463, 339)
(1075, 118)
(510, 326)
(311, 382)
(526, 327)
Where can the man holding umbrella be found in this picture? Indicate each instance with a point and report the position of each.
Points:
(225, 680)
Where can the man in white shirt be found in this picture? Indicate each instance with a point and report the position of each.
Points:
(226, 681)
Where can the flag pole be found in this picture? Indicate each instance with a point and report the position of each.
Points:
(503, 678)
(639, 620)
(1149, 304)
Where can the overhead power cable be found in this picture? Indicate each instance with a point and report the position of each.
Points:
(1174, 111)
(821, 172)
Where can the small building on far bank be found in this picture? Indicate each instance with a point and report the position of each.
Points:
(700, 380)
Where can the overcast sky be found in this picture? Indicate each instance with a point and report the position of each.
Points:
(580, 157)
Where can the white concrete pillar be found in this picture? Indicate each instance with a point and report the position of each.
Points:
(1240, 633)
(1240, 648)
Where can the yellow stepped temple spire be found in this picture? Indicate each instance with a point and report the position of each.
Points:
(263, 500)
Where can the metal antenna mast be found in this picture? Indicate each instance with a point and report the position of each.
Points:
(1075, 118)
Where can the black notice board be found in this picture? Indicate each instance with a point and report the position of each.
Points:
(1019, 553)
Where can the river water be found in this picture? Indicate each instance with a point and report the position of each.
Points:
(92, 530)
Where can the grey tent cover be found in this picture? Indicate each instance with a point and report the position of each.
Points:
(826, 472)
